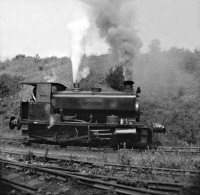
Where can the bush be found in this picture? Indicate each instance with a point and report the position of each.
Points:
(115, 78)
(180, 116)
(9, 85)
(40, 68)
(3, 65)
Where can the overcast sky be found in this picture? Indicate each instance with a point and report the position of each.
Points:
(40, 26)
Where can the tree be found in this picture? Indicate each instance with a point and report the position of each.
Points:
(115, 77)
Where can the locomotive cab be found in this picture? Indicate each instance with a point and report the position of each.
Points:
(35, 102)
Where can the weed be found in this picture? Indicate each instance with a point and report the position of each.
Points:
(28, 157)
(40, 67)
(124, 157)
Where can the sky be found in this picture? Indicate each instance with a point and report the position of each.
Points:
(33, 27)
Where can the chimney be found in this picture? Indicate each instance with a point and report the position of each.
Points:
(128, 86)
(76, 85)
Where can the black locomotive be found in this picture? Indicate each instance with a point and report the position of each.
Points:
(73, 116)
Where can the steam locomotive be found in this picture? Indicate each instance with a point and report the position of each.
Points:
(75, 116)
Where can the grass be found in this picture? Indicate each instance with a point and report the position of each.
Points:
(148, 158)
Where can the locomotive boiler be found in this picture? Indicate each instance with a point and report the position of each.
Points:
(74, 116)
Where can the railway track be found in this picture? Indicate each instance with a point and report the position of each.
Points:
(167, 149)
(10, 140)
(67, 160)
(118, 185)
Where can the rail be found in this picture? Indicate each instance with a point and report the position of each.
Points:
(106, 183)
(65, 159)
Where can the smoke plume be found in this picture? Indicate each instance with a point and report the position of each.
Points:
(115, 21)
(78, 29)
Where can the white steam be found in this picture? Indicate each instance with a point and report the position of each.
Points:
(82, 74)
(51, 122)
(77, 28)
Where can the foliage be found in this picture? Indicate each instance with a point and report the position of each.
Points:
(172, 160)
(115, 77)
(40, 68)
(180, 117)
(9, 85)
(170, 85)
(9, 97)
(4, 65)
(124, 157)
